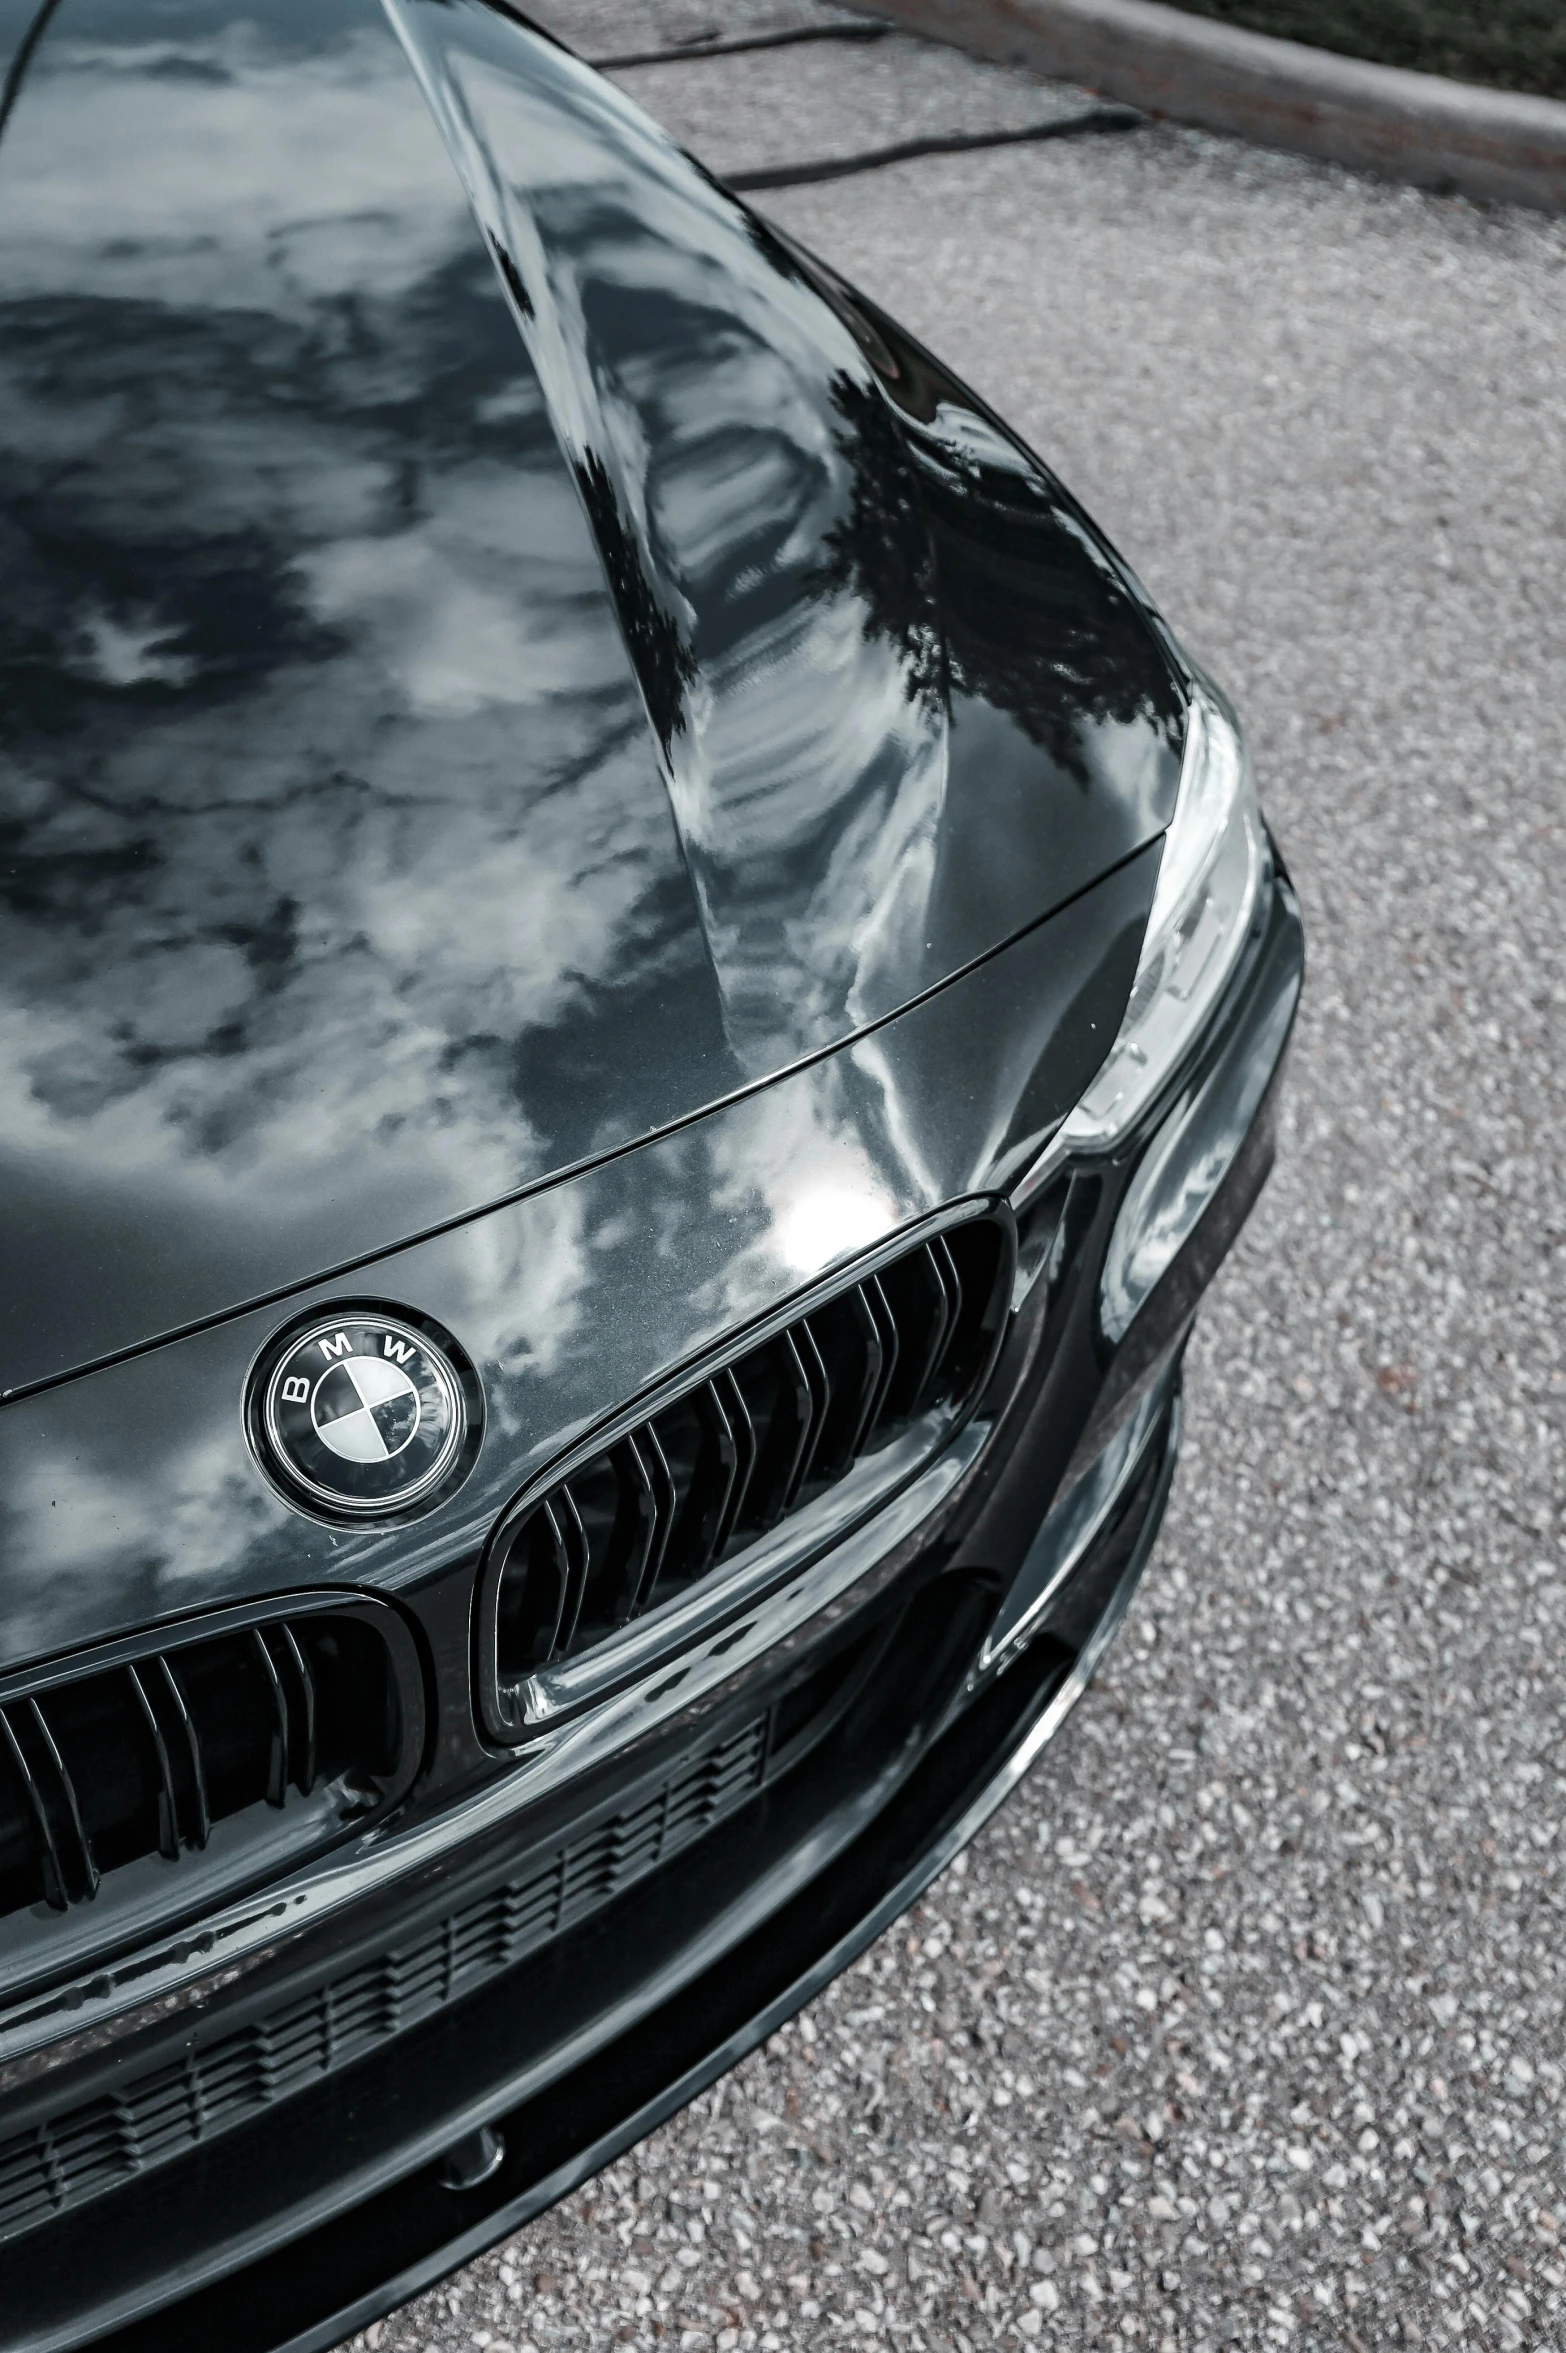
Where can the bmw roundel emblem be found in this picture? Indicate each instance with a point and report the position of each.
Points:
(361, 1412)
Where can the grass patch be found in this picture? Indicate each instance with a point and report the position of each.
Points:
(1512, 44)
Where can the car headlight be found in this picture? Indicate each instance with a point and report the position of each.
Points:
(1215, 853)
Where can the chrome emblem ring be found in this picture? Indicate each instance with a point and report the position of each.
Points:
(359, 1413)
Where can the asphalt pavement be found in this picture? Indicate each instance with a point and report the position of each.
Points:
(1242, 2024)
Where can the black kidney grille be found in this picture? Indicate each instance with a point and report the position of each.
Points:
(141, 1757)
(704, 1477)
(71, 2158)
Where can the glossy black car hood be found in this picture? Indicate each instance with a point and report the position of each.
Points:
(497, 652)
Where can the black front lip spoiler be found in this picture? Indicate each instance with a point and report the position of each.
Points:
(318, 2288)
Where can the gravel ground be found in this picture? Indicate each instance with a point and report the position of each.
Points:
(1242, 2023)
(821, 100)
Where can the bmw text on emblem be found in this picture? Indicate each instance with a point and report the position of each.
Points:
(359, 1412)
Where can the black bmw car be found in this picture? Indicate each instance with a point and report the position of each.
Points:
(638, 989)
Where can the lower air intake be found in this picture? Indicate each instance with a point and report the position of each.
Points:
(65, 2159)
(676, 1497)
(850, 1703)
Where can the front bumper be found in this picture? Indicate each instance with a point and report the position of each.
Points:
(895, 1725)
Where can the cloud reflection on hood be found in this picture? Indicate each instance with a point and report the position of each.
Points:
(690, 366)
(411, 787)
(324, 783)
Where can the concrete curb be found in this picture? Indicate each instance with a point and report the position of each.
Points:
(1440, 134)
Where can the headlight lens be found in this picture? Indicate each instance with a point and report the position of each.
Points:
(1215, 853)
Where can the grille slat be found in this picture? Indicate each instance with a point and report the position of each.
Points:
(288, 1642)
(819, 1383)
(668, 1501)
(792, 1420)
(578, 1563)
(52, 1871)
(930, 1314)
(168, 1800)
(712, 1499)
(201, 1829)
(748, 1448)
(639, 1505)
(862, 1404)
(550, 1590)
(886, 1330)
(277, 1768)
(83, 1854)
(665, 1508)
(951, 1283)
